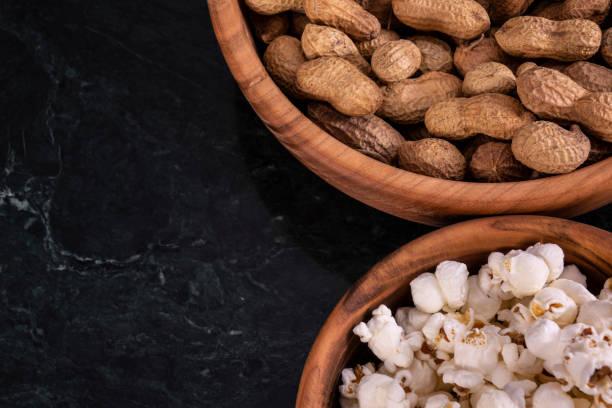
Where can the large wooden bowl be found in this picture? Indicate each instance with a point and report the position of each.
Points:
(388, 282)
(398, 192)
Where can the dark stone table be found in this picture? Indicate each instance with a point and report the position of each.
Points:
(159, 248)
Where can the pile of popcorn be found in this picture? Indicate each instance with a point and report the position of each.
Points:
(524, 332)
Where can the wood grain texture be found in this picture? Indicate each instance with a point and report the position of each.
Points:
(398, 192)
(388, 282)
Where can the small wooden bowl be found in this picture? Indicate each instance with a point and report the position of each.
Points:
(401, 193)
(388, 282)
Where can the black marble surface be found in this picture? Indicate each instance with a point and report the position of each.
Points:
(159, 248)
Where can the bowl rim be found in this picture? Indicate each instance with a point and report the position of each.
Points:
(398, 192)
(383, 279)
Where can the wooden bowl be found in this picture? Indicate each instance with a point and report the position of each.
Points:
(401, 193)
(388, 282)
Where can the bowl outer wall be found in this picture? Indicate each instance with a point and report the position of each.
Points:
(388, 282)
(401, 193)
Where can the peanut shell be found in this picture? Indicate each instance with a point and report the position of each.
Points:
(549, 148)
(322, 41)
(267, 28)
(381, 9)
(495, 115)
(369, 134)
(549, 93)
(502, 10)
(606, 46)
(538, 37)
(594, 112)
(600, 150)
(473, 144)
(592, 77)
(432, 157)
(407, 101)
(340, 83)
(490, 77)
(463, 19)
(298, 24)
(269, 7)
(282, 59)
(345, 15)
(594, 10)
(367, 48)
(494, 162)
(436, 55)
(469, 55)
(396, 60)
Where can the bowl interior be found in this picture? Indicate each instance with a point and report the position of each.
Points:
(388, 282)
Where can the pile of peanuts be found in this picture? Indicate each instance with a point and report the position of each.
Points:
(480, 90)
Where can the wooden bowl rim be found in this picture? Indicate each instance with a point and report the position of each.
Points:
(402, 193)
(383, 279)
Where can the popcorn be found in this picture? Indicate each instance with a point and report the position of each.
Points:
(519, 318)
(484, 306)
(542, 339)
(550, 395)
(441, 400)
(526, 274)
(411, 318)
(426, 293)
(491, 284)
(442, 331)
(501, 375)
(606, 291)
(519, 390)
(571, 272)
(525, 333)
(452, 280)
(597, 313)
(385, 338)
(451, 374)
(381, 391)
(492, 397)
(554, 304)
(479, 349)
(424, 378)
(520, 360)
(552, 254)
(579, 293)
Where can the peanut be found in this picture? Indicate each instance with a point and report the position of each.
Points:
(599, 150)
(298, 23)
(496, 115)
(368, 134)
(485, 49)
(502, 10)
(282, 59)
(594, 112)
(494, 162)
(432, 157)
(463, 19)
(592, 77)
(548, 148)
(269, 7)
(436, 54)
(337, 81)
(268, 27)
(538, 37)
(367, 48)
(594, 10)
(322, 41)
(490, 77)
(407, 101)
(606, 46)
(469, 148)
(396, 60)
(345, 15)
(381, 9)
(548, 93)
